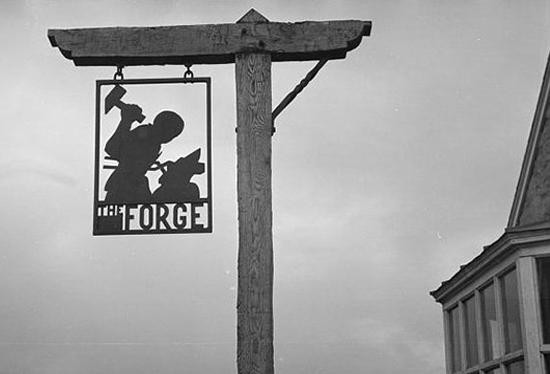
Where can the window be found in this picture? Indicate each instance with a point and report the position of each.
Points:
(543, 272)
(516, 367)
(470, 327)
(511, 314)
(484, 329)
(454, 332)
(543, 267)
(489, 323)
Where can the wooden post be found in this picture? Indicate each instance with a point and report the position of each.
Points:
(255, 259)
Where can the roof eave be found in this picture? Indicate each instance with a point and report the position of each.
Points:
(512, 240)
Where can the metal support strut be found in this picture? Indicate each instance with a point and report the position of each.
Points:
(299, 88)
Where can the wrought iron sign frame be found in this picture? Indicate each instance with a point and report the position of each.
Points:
(119, 211)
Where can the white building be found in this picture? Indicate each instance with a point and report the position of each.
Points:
(497, 307)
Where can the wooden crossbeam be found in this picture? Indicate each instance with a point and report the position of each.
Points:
(209, 44)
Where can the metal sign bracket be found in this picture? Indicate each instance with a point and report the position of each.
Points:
(296, 91)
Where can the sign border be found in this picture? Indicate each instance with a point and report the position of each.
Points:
(104, 82)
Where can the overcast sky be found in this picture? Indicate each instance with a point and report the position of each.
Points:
(393, 167)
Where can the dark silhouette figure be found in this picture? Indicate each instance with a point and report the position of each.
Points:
(136, 150)
(175, 183)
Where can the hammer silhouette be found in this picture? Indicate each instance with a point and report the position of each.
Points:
(113, 100)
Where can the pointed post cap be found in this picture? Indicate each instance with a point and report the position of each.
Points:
(252, 16)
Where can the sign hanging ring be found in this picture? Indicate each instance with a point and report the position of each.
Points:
(188, 73)
(119, 75)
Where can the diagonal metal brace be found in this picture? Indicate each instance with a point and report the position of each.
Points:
(299, 88)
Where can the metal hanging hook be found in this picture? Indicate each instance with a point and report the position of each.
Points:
(119, 75)
(188, 73)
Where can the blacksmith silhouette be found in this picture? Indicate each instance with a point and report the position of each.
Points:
(136, 151)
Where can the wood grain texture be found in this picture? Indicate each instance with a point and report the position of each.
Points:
(208, 44)
(255, 258)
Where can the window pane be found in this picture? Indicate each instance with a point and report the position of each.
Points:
(544, 294)
(515, 368)
(489, 323)
(470, 328)
(547, 363)
(493, 371)
(454, 337)
(510, 301)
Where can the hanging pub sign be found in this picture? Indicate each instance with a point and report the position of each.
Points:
(153, 156)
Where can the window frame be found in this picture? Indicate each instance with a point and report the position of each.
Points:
(502, 359)
(544, 347)
(450, 346)
(504, 332)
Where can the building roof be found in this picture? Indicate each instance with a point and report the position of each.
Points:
(512, 240)
(532, 199)
(529, 219)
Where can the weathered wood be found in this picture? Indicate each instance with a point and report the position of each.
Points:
(255, 258)
(209, 44)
